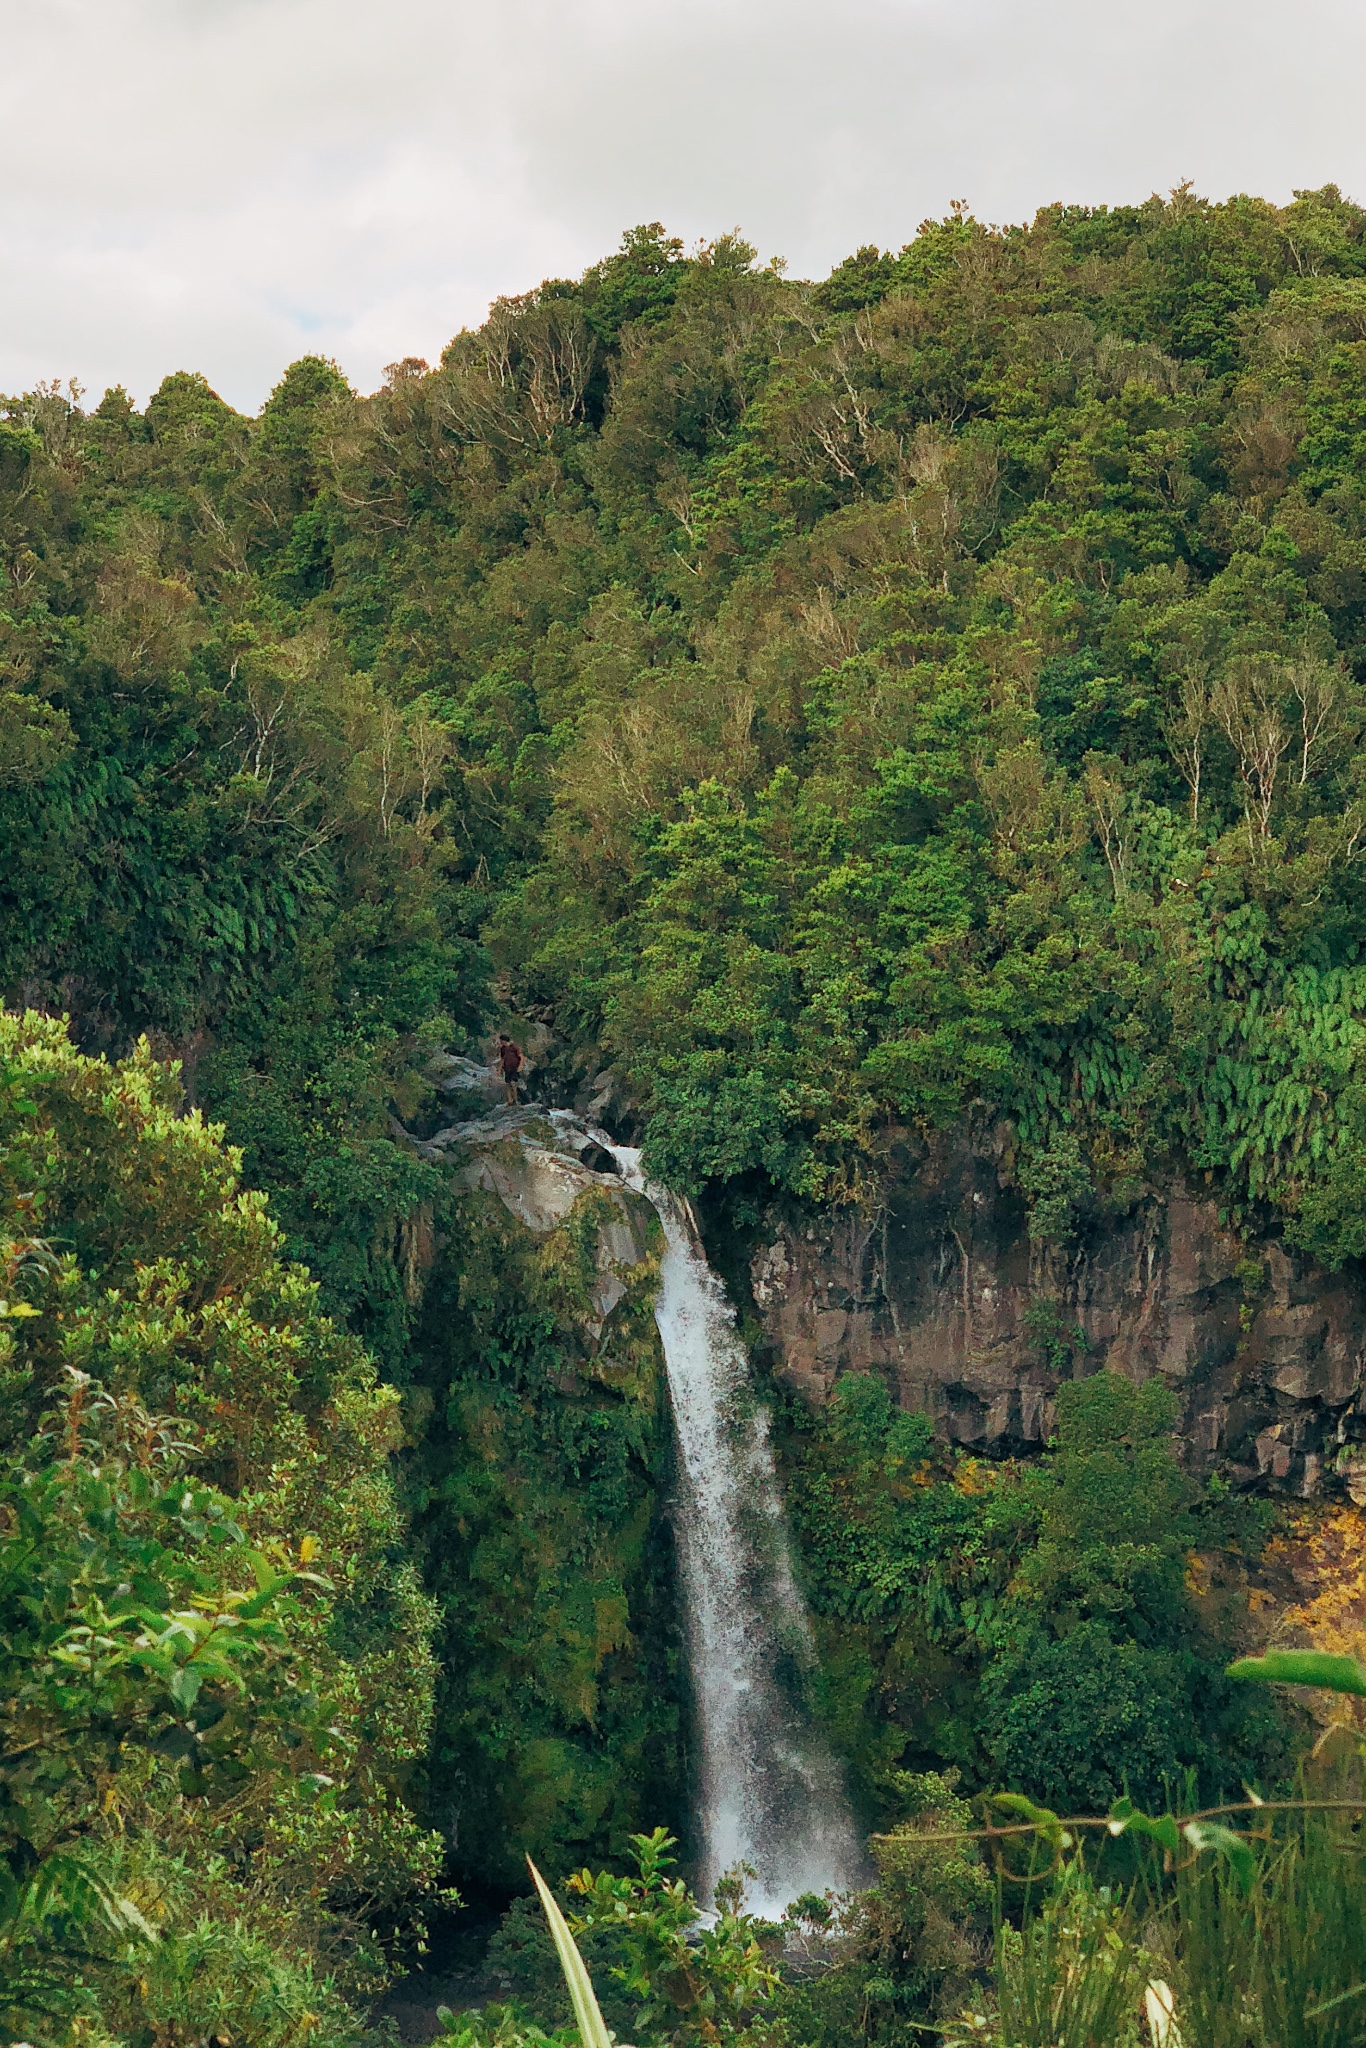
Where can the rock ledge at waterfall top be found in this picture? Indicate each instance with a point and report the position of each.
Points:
(1270, 1371)
(539, 1163)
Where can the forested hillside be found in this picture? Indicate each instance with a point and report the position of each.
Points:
(937, 692)
(835, 704)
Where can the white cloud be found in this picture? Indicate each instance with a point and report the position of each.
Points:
(224, 184)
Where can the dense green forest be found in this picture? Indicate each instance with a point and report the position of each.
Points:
(934, 693)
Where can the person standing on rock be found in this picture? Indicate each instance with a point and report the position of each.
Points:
(510, 1062)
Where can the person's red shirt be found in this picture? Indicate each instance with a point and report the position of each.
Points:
(510, 1059)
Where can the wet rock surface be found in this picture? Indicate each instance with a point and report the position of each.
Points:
(944, 1293)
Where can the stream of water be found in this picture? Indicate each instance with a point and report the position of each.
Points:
(770, 1791)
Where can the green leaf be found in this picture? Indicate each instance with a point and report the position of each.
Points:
(1125, 1819)
(1303, 1667)
(592, 2027)
(183, 1686)
(1206, 1834)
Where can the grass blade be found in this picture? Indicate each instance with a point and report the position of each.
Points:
(592, 2027)
(1316, 2012)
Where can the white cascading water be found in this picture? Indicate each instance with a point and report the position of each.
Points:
(771, 1793)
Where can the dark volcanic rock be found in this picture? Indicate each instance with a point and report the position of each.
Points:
(1264, 1350)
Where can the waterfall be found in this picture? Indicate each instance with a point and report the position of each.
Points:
(771, 1793)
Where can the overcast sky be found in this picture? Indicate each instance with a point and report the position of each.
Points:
(223, 185)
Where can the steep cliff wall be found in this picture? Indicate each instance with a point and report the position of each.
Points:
(944, 1293)
(537, 1472)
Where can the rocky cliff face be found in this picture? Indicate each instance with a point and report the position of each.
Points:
(945, 1294)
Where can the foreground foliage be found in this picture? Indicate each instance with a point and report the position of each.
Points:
(216, 1663)
(1217, 1935)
